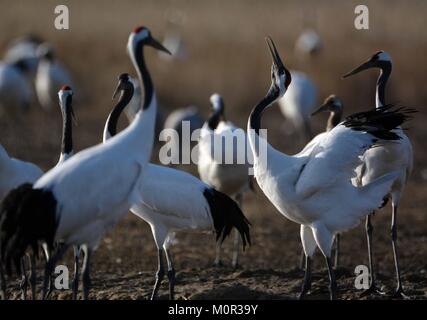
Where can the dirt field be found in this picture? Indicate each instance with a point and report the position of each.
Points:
(227, 54)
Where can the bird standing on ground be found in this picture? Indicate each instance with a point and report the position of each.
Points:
(231, 178)
(315, 189)
(77, 202)
(334, 106)
(388, 157)
(172, 200)
(15, 172)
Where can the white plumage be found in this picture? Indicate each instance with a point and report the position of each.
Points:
(111, 195)
(230, 178)
(389, 157)
(170, 200)
(50, 77)
(15, 89)
(14, 172)
(298, 103)
(217, 147)
(24, 49)
(90, 192)
(315, 189)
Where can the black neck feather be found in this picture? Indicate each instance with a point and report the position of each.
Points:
(144, 75)
(114, 116)
(256, 114)
(67, 127)
(214, 119)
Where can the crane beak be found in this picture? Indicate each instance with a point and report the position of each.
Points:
(274, 54)
(363, 66)
(322, 108)
(157, 45)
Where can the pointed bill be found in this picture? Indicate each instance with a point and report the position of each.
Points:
(363, 66)
(274, 54)
(157, 45)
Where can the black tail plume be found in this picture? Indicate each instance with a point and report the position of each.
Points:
(27, 216)
(226, 214)
(381, 121)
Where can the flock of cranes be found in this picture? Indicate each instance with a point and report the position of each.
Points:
(29, 59)
(341, 176)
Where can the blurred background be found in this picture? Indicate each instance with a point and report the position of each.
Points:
(223, 50)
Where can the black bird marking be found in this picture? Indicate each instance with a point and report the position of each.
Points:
(381, 121)
(27, 216)
(226, 214)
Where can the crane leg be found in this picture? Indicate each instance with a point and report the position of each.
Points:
(75, 281)
(337, 250)
(372, 286)
(50, 266)
(307, 278)
(332, 280)
(236, 244)
(218, 262)
(3, 295)
(24, 281)
(159, 275)
(399, 290)
(33, 275)
(302, 260)
(86, 271)
(171, 275)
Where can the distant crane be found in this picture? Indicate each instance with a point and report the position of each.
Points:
(16, 93)
(298, 104)
(51, 75)
(24, 49)
(229, 178)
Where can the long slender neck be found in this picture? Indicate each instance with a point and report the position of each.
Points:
(144, 76)
(256, 113)
(259, 145)
(67, 128)
(214, 119)
(381, 84)
(334, 119)
(113, 118)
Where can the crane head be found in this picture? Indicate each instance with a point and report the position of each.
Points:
(331, 104)
(280, 75)
(124, 83)
(141, 36)
(378, 60)
(217, 103)
(65, 95)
